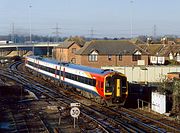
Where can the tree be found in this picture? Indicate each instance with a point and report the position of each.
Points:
(176, 96)
(172, 88)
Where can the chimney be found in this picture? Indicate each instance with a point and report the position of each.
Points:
(164, 40)
(149, 40)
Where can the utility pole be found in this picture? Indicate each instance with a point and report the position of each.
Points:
(12, 34)
(30, 32)
(154, 31)
(131, 2)
(92, 33)
(57, 32)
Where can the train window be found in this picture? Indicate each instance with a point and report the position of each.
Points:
(72, 76)
(79, 79)
(50, 70)
(68, 75)
(83, 80)
(44, 68)
(108, 85)
(86, 80)
(94, 82)
(35, 65)
(30, 63)
(124, 83)
(90, 82)
(75, 77)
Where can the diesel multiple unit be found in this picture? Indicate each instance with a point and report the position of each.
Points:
(104, 86)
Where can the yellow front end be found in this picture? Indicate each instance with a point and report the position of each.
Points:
(115, 86)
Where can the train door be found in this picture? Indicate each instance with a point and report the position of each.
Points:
(60, 73)
(117, 87)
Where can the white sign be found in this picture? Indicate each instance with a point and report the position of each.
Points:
(75, 105)
(158, 102)
(75, 112)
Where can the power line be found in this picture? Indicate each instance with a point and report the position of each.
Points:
(131, 3)
(12, 33)
(154, 31)
(57, 32)
(92, 33)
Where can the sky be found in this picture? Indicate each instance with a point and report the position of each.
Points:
(97, 18)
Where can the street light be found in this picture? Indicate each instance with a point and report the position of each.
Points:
(30, 34)
(131, 2)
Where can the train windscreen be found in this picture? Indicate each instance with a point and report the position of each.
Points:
(108, 85)
(116, 84)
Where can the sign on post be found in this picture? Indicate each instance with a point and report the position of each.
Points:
(75, 112)
(75, 104)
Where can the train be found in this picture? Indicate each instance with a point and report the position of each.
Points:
(105, 86)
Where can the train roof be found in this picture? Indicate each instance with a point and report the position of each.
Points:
(74, 66)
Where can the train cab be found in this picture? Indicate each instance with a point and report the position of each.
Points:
(115, 86)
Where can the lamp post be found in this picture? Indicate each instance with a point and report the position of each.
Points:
(30, 32)
(131, 2)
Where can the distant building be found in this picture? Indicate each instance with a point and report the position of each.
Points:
(162, 53)
(5, 42)
(99, 53)
(66, 51)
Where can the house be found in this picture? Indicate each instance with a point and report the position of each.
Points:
(171, 52)
(154, 53)
(66, 51)
(162, 53)
(98, 53)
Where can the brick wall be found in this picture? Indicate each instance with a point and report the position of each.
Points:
(65, 54)
(104, 61)
(72, 55)
(61, 54)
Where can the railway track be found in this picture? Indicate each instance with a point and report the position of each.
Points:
(106, 119)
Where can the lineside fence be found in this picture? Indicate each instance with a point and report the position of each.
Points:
(145, 74)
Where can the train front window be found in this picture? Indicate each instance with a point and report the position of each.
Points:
(124, 84)
(108, 85)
